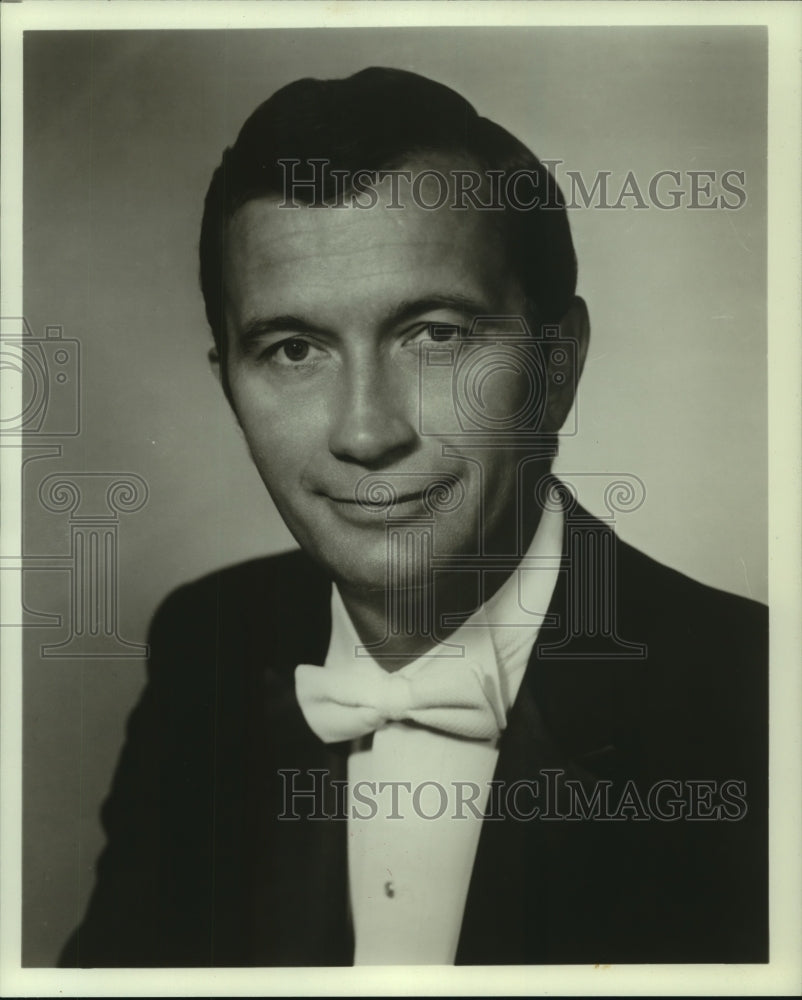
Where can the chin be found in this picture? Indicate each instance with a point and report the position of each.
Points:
(361, 579)
(365, 571)
(357, 568)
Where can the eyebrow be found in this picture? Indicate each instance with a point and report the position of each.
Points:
(286, 323)
(431, 303)
(404, 311)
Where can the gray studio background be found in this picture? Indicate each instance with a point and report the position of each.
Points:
(122, 132)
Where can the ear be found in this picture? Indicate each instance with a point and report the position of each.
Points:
(216, 366)
(565, 369)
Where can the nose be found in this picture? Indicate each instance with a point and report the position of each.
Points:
(374, 419)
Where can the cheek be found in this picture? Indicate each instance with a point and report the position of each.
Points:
(279, 434)
(511, 390)
(499, 388)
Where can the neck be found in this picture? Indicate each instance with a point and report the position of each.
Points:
(403, 623)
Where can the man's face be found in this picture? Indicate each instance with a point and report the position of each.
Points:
(327, 310)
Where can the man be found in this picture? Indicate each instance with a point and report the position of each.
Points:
(465, 723)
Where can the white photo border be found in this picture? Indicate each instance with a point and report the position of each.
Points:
(783, 973)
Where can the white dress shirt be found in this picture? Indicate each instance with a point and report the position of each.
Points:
(412, 841)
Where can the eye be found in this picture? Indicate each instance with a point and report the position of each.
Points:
(445, 331)
(438, 331)
(294, 352)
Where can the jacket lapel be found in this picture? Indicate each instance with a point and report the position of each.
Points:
(520, 902)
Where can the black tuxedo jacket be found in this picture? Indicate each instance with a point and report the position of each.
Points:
(199, 871)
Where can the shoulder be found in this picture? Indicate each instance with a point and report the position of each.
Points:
(666, 600)
(260, 607)
(655, 661)
(707, 649)
(611, 585)
(272, 586)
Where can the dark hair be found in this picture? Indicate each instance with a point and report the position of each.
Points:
(376, 120)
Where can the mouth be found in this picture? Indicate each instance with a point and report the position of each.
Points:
(381, 504)
(367, 509)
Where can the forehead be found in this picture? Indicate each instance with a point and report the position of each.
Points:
(354, 261)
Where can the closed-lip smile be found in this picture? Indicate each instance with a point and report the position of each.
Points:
(403, 498)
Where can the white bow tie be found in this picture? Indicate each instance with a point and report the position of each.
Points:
(455, 696)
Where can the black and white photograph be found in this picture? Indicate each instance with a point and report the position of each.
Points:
(400, 441)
